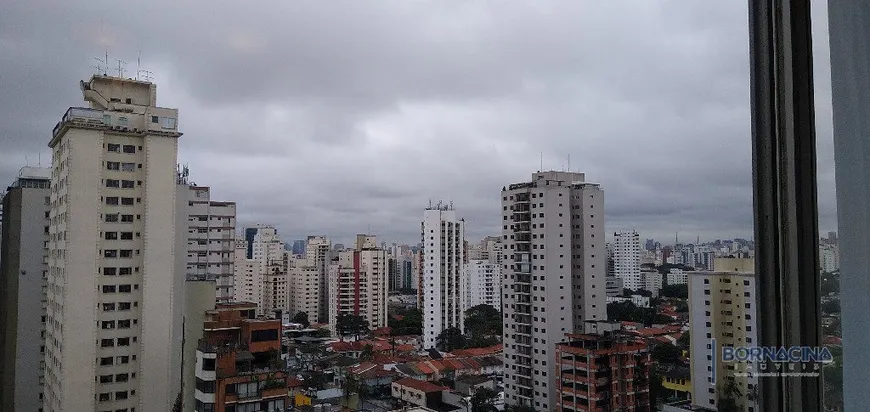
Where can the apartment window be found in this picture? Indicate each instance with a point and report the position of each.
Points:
(108, 324)
(123, 305)
(113, 165)
(107, 361)
(123, 341)
(110, 253)
(113, 183)
(120, 395)
(111, 235)
(107, 343)
(108, 288)
(129, 148)
(124, 288)
(127, 218)
(124, 324)
(112, 201)
(126, 201)
(114, 147)
(111, 218)
(126, 235)
(110, 271)
(127, 184)
(128, 167)
(208, 364)
(108, 307)
(122, 377)
(122, 360)
(125, 271)
(126, 253)
(105, 397)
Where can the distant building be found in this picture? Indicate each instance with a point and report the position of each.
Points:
(443, 236)
(481, 284)
(613, 286)
(829, 257)
(238, 362)
(677, 277)
(298, 247)
(25, 210)
(358, 283)
(626, 259)
(602, 370)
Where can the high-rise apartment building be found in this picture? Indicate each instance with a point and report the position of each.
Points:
(358, 283)
(443, 236)
(210, 236)
(626, 259)
(261, 278)
(481, 284)
(553, 277)
(722, 313)
(318, 254)
(602, 371)
(23, 272)
(248, 282)
(112, 248)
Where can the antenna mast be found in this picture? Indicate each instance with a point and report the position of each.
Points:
(542, 162)
(121, 64)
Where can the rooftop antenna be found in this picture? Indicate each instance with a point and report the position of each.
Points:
(569, 162)
(104, 67)
(121, 64)
(542, 162)
(39, 159)
(138, 63)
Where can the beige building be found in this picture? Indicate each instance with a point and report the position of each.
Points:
(210, 236)
(248, 281)
(262, 278)
(304, 286)
(358, 283)
(722, 312)
(112, 252)
(553, 277)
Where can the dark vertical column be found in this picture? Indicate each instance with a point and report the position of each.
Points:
(784, 171)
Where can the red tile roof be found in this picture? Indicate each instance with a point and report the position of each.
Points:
(294, 383)
(489, 350)
(420, 385)
(423, 367)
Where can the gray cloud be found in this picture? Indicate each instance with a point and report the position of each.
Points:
(339, 117)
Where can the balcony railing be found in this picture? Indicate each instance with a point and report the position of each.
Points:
(79, 115)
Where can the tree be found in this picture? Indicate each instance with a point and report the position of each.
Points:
(483, 400)
(665, 353)
(411, 322)
(323, 333)
(483, 324)
(728, 397)
(519, 408)
(675, 291)
(685, 340)
(367, 353)
(347, 325)
(301, 318)
(450, 339)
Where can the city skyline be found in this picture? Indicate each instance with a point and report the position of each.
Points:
(665, 142)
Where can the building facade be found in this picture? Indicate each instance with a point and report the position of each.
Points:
(722, 312)
(553, 277)
(111, 265)
(23, 274)
(210, 239)
(603, 371)
(443, 236)
(626, 259)
(238, 362)
(358, 283)
(481, 284)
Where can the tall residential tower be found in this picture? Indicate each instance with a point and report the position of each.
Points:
(112, 248)
(443, 235)
(553, 277)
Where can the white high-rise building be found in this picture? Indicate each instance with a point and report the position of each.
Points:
(481, 284)
(626, 259)
(112, 252)
(358, 283)
(318, 254)
(829, 258)
(443, 256)
(248, 282)
(210, 236)
(553, 277)
(263, 278)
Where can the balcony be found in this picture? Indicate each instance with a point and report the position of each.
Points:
(79, 116)
(522, 228)
(519, 217)
(523, 237)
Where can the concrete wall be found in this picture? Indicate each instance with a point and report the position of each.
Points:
(199, 296)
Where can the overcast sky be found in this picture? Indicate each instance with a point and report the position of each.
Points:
(342, 117)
